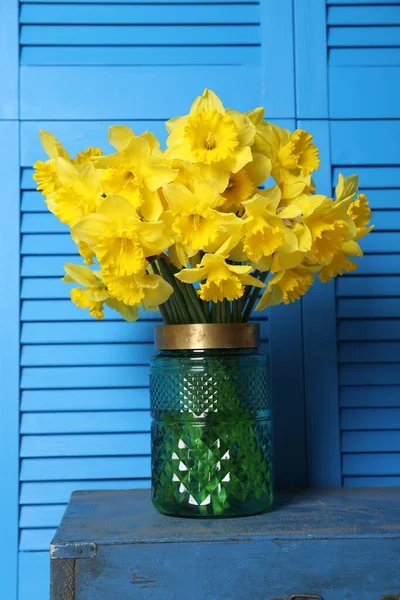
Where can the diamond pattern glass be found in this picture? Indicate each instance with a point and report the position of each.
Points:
(211, 433)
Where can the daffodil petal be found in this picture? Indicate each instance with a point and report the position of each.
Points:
(120, 135)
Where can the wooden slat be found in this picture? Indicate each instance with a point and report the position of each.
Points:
(367, 142)
(143, 14)
(33, 540)
(120, 444)
(364, 419)
(361, 308)
(366, 57)
(53, 469)
(59, 333)
(353, 37)
(372, 177)
(383, 481)
(132, 90)
(27, 183)
(367, 374)
(41, 516)
(378, 84)
(382, 199)
(182, 2)
(138, 35)
(378, 242)
(371, 441)
(60, 491)
(369, 352)
(43, 288)
(77, 354)
(42, 223)
(311, 59)
(381, 264)
(364, 15)
(65, 310)
(83, 377)
(33, 201)
(369, 396)
(388, 329)
(85, 400)
(371, 464)
(349, 286)
(60, 310)
(56, 244)
(89, 422)
(158, 55)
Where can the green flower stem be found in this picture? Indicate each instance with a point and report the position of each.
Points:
(192, 299)
(165, 308)
(213, 312)
(252, 299)
(223, 312)
(240, 308)
(176, 298)
(235, 312)
(228, 312)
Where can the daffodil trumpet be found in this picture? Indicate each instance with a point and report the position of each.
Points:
(224, 220)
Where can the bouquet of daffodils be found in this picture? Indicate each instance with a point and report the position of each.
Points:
(188, 230)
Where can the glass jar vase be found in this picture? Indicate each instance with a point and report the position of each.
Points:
(211, 422)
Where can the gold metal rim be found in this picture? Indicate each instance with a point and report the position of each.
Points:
(207, 336)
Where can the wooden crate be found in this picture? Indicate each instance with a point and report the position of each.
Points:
(336, 544)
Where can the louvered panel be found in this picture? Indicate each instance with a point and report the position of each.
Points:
(368, 301)
(364, 56)
(369, 396)
(106, 444)
(57, 492)
(105, 33)
(37, 401)
(144, 14)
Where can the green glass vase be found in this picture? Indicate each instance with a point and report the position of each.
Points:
(211, 432)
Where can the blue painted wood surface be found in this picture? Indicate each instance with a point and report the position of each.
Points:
(9, 354)
(313, 542)
(320, 352)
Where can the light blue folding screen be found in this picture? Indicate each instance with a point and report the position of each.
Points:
(347, 87)
(74, 404)
(74, 398)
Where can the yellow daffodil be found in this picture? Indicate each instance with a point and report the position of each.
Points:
(326, 226)
(292, 154)
(92, 294)
(196, 211)
(120, 240)
(360, 213)
(45, 171)
(138, 289)
(287, 286)
(268, 228)
(79, 192)
(222, 280)
(217, 140)
(194, 220)
(340, 262)
(133, 174)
